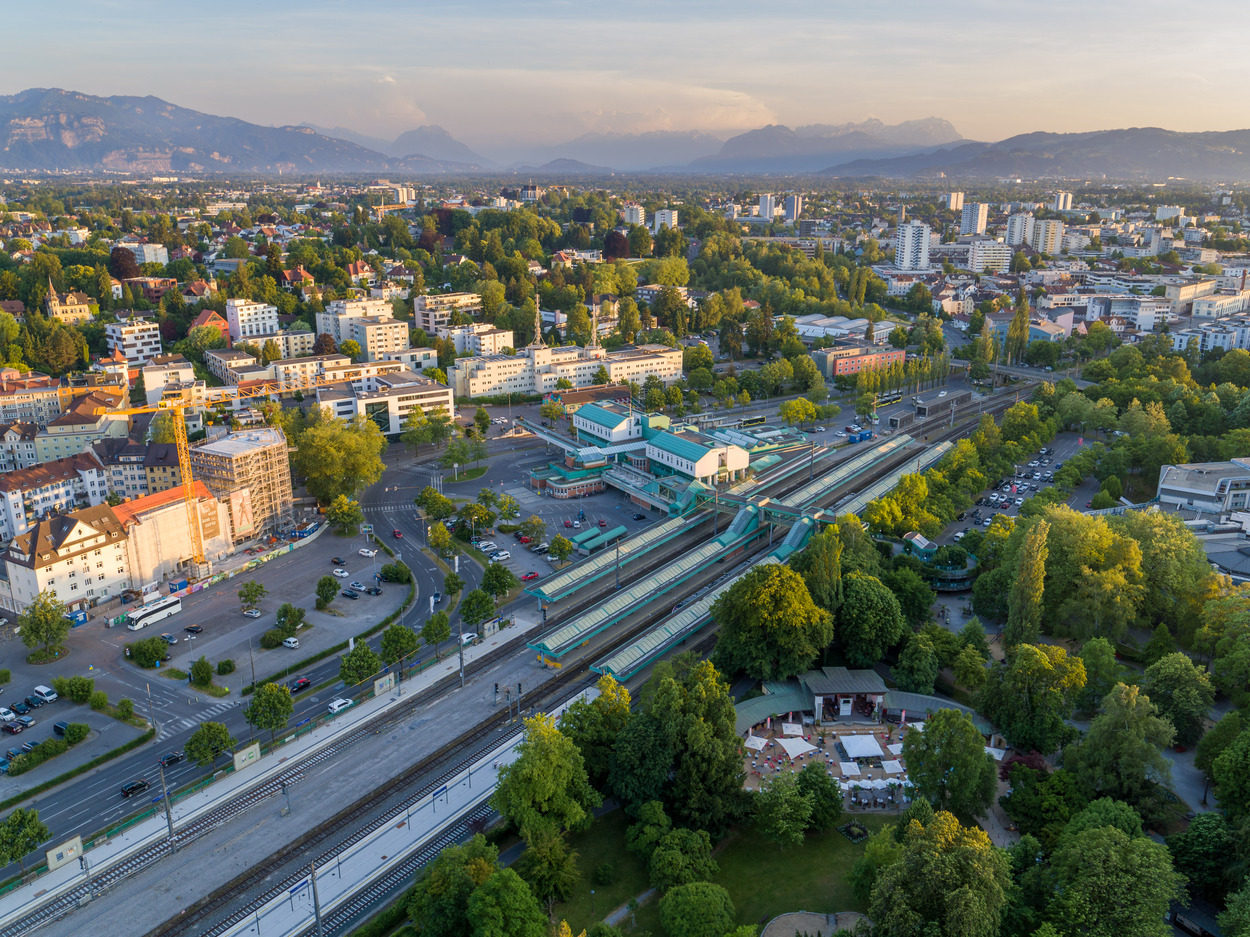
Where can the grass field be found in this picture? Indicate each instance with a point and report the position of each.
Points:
(762, 879)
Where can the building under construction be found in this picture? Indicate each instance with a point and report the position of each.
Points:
(251, 474)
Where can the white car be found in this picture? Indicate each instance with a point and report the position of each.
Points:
(291, 643)
(251, 613)
(500, 555)
(341, 574)
(7, 714)
(369, 553)
(1019, 501)
(339, 705)
(488, 546)
(1034, 464)
(469, 637)
(841, 435)
(941, 393)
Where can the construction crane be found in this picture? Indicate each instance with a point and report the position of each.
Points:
(177, 407)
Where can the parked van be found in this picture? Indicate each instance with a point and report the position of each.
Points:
(46, 693)
(291, 642)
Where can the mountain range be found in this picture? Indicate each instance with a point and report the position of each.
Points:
(56, 130)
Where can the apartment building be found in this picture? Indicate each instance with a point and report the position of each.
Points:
(26, 495)
(974, 218)
(415, 359)
(250, 472)
(793, 208)
(665, 217)
(79, 557)
(954, 201)
(88, 419)
(768, 207)
(1047, 236)
(634, 214)
(221, 362)
(1183, 295)
(537, 369)
(378, 335)
(137, 340)
(161, 471)
(162, 371)
(306, 371)
(17, 446)
(854, 357)
(158, 537)
(434, 312)
(1020, 229)
(911, 246)
(988, 254)
(478, 338)
(1062, 202)
(122, 460)
(335, 321)
(148, 253)
(387, 399)
(249, 320)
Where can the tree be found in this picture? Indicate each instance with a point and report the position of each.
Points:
(546, 784)
(345, 514)
(44, 623)
(270, 708)
(338, 457)
(398, 642)
(359, 664)
(820, 564)
(641, 760)
(594, 727)
(949, 881)
(251, 592)
(1235, 920)
(1102, 672)
(1217, 740)
(1108, 884)
(350, 348)
(1120, 755)
(1231, 773)
(1182, 693)
(969, 668)
(452, 584)
(439, 900)
(796, 411)
(202, 672)
(498, 580)
(208, 742)
(824, 795)
(1031, 695)
(1160, 645)
(869, 620)
(783, 812)
(440, 540)
(680, 857)
(1201, 852)
(437, 630)
(918, 666)
(476, 608)
(948, 764)
(548, 865)
(699, 909)
(20, 833)
(289, 619)
(327, 589)
(561, 547)
(770, 627)
(1024, 608)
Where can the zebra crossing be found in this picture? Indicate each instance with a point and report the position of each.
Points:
(172, 727)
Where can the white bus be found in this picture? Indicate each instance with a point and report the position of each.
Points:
(157, 611)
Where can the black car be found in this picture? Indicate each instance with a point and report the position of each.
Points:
(34, 702)
(373, 590)
(960, 516)
(300, 683)
(130, 788)
(171, 759)
(20, 707)
(338, 561)
(30, 746)
(13, 753)
(350, 594)
(980, 501)
(193, 629)
(640, 517)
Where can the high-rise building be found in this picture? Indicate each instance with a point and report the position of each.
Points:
(974, 217)
(1063, 201)
(251, 472)
(635, 214)
(665, 216)
(248, 319)
(794, 208)
(1047, 236)
(768, 206)
(911, 246)
(954, 201)
(1020, 228)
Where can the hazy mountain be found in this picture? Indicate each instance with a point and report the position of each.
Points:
(777, 148)
(1137, 153)
(51, 129)
(566, 167)
(631, 151)
(431, 141)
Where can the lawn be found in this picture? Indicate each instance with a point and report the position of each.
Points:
(763, 881)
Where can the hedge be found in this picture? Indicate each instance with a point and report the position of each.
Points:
(81, 769)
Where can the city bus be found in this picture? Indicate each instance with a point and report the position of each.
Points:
(752, 421)
(150, 614)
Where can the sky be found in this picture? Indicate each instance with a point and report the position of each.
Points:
(501, 73)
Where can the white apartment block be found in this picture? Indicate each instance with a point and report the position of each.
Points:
(248, 320)
(537, 369)
(954, 201)
(434, 311)
(988, 254)
(303, 372)
(149, 253)
(1221, 304)
(1047, 236)
(387, 399)
(974, 218)
(136, 339)
(221, 362)
(335, 320)
(1020, 229)
(164, 370)
(17, 446)
(665, 216)
(1168, 212)
(26, 495)
(80, 558)
(479, 339)
(1183, 295)
(911, 246)
(634, 214)
(768, 206)
(415, 359)
(378, 335)
(1062, 202)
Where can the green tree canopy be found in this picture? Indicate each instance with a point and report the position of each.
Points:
(949, 766)
(43, 623)
(1031, 695)
(1182, 693)
(546, 784)
(770, 627)
(595, 726)
(270, 708)
(208, 742)
(1120, 754)
(359, 664)
(870, 620)
(699, 909)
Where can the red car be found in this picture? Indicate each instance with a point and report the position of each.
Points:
(528, 576)
(568, 523)
(603, 522)
(527, 539)
(301, 683)
(397, 534)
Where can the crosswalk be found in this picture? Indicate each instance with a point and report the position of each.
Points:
(385, 506)
(171, 727)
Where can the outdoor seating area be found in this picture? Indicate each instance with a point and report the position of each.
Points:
(866, 763)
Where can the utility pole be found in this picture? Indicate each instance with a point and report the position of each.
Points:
(312, 874)
(251, 657)
(169, 811)
(618, 563)
(460, 641)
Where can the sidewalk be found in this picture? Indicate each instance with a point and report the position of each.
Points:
(23, 900)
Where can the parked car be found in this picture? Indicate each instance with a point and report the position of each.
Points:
(373, 590)
(357, 585)
(368, 553)
(524, 539)
(350, 594)
(27, 722)
(251, 613)
(300, 683)
(500, 555)
(13, 728)
(603, 522)
(33, 701)
(1019, 501)
(528, 576)
(20, 707)
(291, 643)
(639, 517)
(577, 525)
(487, 546)
(172, 758)
(341, 574)
(169, 638)
(130, 788)
(469, 637)
(338, 705)
(194, 629)
(60, 727)
(568, 523)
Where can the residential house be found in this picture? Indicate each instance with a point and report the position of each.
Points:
(26, 495)
(79, 557)
(72, 309)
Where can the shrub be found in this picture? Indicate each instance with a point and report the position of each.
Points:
(202, 672)
(75, 732)
(272, 638)
(5, 675)
(224, 667)
(605, 874)
(77, 689)
(396, 572)
(149, 652)
(125, 709)
(41, 753)
(99, 701)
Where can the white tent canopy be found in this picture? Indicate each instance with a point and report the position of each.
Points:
(756, 742)
(796, 747)
(861, 746)
(791, 728)
(896, 748)
(892, 767)
(849, 768)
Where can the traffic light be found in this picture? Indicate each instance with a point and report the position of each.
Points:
(496, 689)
